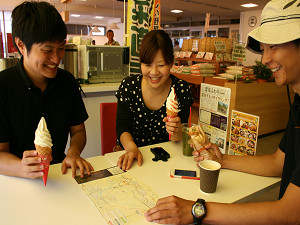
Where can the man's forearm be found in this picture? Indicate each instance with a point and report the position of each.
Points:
(267, 165)
(10, 165)
(283, 211)
(77, 142)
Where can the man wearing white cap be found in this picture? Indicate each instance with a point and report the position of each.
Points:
(278, 40)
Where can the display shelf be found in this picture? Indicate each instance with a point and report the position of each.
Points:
(266, 100)
(190, 78)
(214, 61)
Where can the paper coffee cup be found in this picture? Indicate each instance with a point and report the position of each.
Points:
(209, 175)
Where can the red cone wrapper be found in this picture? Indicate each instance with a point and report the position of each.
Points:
(46, 162)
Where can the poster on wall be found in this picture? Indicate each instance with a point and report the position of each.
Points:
(142, 16)
(213, 113)
(243, 133)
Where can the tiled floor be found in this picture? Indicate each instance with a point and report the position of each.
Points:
(266, 145)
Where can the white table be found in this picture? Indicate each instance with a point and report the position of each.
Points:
(232, 186)
(25, 201)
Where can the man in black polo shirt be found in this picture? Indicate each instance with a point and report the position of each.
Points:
(36, 87)
(278, 40)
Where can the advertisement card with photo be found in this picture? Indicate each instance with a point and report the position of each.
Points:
(243, 133)
(213, 113)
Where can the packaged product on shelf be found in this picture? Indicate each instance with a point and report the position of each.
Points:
(188, 54)
(186, 70)
(176, 69)
(207, 44)
(209, 55)
(185, 45)
(181, 54)
(203, 69)
(227, 57)
(235, 68)
(206, 65)
(234, 72)
(227, 76)
(248, 73)
(190, 44)
(200, 55)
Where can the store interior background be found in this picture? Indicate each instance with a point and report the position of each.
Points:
(228, 16)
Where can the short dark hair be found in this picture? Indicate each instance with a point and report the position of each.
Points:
(154, 41)
(297, 42)
(176, 42)
(109, 31)
(37, 22)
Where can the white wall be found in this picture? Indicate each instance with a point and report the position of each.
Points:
(92, 125)
(244, 30)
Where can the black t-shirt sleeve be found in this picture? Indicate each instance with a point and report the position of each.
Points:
(4, 125)
(296, 176)
(124, 119)
(79, 113)
(284, 141)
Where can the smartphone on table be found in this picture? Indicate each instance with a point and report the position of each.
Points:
(185, 174)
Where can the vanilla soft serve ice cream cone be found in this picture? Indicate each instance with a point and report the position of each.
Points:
(43, 145)
(172, 105)
(199, 139)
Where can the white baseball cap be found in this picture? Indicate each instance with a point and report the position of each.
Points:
(280, 23)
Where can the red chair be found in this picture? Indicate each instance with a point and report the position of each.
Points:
(108, 114)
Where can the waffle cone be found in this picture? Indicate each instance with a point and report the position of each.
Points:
(43, 150)
(171, 113)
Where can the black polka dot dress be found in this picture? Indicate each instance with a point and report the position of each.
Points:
(146, 126)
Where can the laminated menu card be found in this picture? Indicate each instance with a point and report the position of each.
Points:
(243, 133)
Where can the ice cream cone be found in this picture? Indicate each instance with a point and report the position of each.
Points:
(199, 139)
(172, 106)
(43, 150)
(45, 154)
(171, 114)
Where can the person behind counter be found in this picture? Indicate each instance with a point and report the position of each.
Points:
(278, 39)
(36, 87)
(141, 111)
(176, 47)
(110, 37)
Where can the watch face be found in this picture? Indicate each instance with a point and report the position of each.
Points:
(198, 210)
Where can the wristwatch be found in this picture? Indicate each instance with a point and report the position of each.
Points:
(199, 211)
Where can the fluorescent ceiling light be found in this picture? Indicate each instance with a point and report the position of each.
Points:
(249, 5)
(98, 17)
(75, 15)
(176, 11)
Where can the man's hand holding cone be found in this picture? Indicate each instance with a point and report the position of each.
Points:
(199, 139)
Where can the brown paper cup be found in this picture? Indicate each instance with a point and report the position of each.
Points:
(209, 175)
(186, 149)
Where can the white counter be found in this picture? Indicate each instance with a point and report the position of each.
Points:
(102, 87)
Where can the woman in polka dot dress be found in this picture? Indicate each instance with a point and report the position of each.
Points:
(141, 113)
